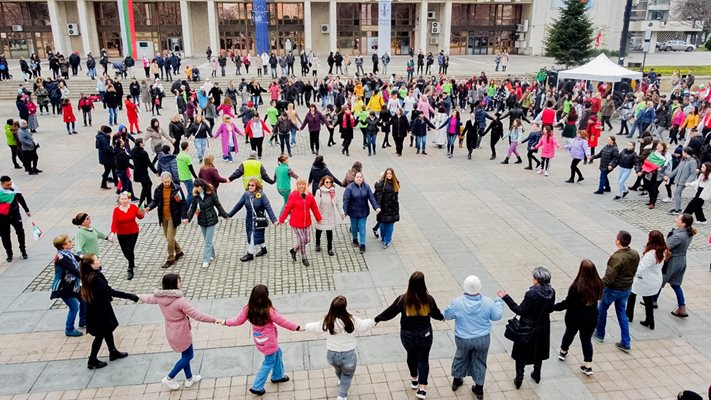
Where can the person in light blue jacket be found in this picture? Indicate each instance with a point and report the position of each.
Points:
(472, 314)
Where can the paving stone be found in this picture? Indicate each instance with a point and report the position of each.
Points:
(19, 378)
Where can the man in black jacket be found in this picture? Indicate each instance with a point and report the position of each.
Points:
(106, 155)
(10, 202)
(169, 196)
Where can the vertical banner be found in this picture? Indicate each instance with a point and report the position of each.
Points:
(261, 26)
(128, 27)
(384, 28)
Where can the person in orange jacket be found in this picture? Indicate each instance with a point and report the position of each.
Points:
(132, 115)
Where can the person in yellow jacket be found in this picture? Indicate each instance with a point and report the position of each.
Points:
(251, 168)
(376, 102)
(358, 105)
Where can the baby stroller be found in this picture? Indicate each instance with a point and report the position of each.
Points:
(119, 70)
(195, 75)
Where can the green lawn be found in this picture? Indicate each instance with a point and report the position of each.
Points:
(666, 70)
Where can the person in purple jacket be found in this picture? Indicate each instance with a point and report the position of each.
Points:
(314, 119)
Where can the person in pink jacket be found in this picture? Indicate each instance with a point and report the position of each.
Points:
(264, 318)
(548, 144)
(177, 310)
(228, 132)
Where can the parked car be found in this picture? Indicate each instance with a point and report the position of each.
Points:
(677, 45)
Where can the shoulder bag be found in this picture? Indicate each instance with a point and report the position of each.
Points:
(259, 218)
(520, 330)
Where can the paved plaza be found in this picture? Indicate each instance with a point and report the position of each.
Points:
(458, 217)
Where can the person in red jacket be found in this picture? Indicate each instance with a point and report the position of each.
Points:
(596, 103)
(132, 115)
(68, 116)
(594, 130)
(125, 228)
(256, 130)
(300, 205)
(85, 106)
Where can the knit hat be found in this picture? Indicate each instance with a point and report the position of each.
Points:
(679, 149)
(689, 395)
(252, 154)
(472, 285)
(250, 104)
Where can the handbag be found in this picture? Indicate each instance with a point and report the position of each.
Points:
(36, 143)
(518, 331)
(259, 219)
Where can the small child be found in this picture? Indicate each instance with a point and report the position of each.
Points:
(533, 138)
(264, 318)
(85, 105)
(177, 311)
(68, 116)
(514, 136)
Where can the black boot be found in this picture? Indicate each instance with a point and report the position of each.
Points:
(247, 257)
(478, 391)
(518, 160)
(536, 374)
(518, 380)
(115, 355)
(456, 383)
(261, 252)
(96, 364)
(506, 160)
(129, 276)
(318, 247)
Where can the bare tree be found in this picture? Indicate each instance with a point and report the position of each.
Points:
(696, 11)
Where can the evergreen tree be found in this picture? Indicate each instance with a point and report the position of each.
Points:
(570, 37)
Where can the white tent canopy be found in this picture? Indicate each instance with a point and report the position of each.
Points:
(600, 69)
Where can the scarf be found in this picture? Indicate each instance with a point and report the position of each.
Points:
(7, 196)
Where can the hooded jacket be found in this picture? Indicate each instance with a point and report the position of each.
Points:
(177, 311)
(266, 337)
(472, 315)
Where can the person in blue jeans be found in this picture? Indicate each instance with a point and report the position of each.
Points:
(355, 205)
(66, 283)
(619, 275)
(386, 194)
(418, 127)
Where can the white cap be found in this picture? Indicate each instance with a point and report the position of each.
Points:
(472, 285)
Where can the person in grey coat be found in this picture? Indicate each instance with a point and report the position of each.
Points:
(206, 201)
(608, 161)
(684, 173)
(29, 148)
(678, 241)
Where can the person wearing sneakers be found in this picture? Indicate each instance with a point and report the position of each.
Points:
(619, 275)
(168, 198)
(472, 314)
(579, 151)
(684, 173)
(264, 319)
(581, 313)
(648, 278)
(257, 208)
(66, 283)
(678, 242)
(177, 311)
(416, 308)
(206, 201)
(548, 144)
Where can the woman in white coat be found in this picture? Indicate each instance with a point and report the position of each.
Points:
(440, 136)
(648, 278)
(330, 207)
(702, 193)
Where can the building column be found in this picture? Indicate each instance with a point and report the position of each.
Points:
(187, 28)
(333, 23)
(307, 25)
(424, 25)
(212, 25)
(57, 26)
(84, 29)
(447, 25)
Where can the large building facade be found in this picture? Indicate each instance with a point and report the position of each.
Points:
(462, 27)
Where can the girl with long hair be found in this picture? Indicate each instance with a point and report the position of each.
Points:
(205, 199)
(330, 207)
(101, 321)
(648, 278)
(416, 308)
(702, 184)
(177, 311)
(264, 319)
(341, 327)
(581, 315)
(678, 242)
(548, 144)
(210, 174)
(654, 168)
(386, 194)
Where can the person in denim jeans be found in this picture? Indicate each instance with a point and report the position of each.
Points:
(206, 200)
(472, 314)
(418, 127)
(619, 275)
(66, 283)
(355, 205)
(340, 341)
(416, 308)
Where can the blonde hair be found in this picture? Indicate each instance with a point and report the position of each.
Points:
(60, 241)
(208, 161)
(257, 184)
(306, 184)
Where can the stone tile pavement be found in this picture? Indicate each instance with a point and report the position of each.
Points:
(458, 217)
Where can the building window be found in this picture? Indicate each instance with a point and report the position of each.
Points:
(106, 14)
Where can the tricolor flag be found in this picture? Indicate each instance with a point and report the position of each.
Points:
(6, 198)
(36, 231)
(178, 196)
(653, 162)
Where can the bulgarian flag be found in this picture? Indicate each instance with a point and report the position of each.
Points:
(36, 231)
(6, 198)
(653, 162)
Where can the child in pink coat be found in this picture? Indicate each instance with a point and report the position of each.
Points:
(228, 132)
(177, 309)
(264, 318)
(548, 144)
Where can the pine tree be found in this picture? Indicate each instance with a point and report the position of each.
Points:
(570, 37)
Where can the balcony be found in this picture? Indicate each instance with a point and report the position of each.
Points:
(664, 26)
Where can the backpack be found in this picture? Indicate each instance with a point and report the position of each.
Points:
(284, 125)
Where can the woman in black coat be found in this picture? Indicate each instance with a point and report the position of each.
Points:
(386, 194)
(318, 171)
(100, 318)
(205, 199)
(535, 308)
(176, 130)
(399, 126)
(141, 164)
(346, 123)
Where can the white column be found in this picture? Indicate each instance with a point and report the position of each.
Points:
(447, 24)
(213, 26)
(187, 28)
(424, 27)
(84, 29)
(307, 25)
(57, 26)
(333, 23)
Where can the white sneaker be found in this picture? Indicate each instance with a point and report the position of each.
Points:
(195, 379)
(205, 264)
(667, 200)
(701, 222)
(540, 171)
(546, 174)
(171, 383)
(341, 398)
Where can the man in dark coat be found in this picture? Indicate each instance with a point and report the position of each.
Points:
(169, 196)
(106, 155)
(10, 202)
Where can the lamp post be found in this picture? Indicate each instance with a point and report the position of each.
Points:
(625, 33)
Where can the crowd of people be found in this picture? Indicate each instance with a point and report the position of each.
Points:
(427, 108)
